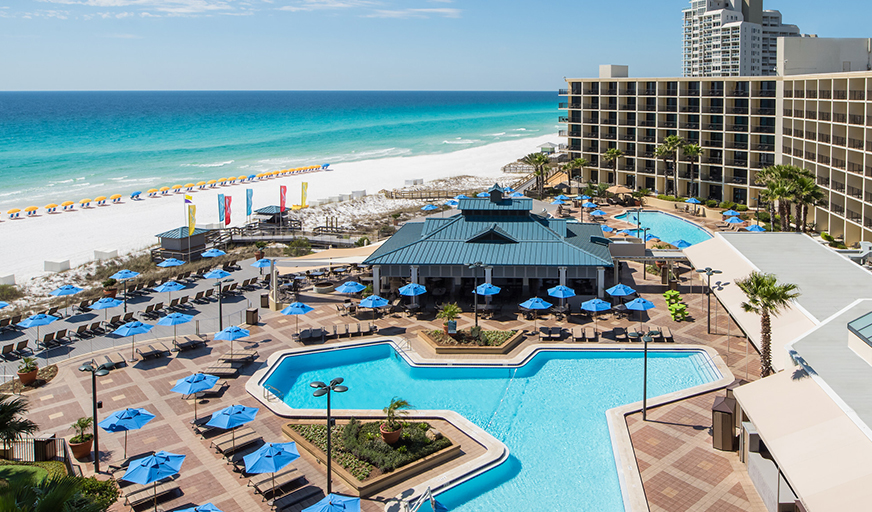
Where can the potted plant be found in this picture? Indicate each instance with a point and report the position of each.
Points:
(27, 370)
(80, 443)
(449, 313)
(258, 254)
(109, 289)
(391, 429)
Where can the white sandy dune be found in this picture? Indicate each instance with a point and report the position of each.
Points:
(132, 225)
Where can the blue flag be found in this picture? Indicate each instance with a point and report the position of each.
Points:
(220, 207)
(249, 195)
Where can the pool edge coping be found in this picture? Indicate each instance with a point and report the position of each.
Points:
(664, 212)
(630, 479)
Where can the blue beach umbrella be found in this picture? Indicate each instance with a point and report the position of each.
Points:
(193, 384)
(625, 232)
(486, 289)
(262, 263)
(681, 244)
(508, 190)
(482, 194)
(429, 208)
(124, 420)
(585, 197)
(516, 195)
(640, 305)
(208, 507)
(595, 306)
(65, 290)
(350, 287)
(649, 238)
(37, 321)
(151, 469)
(535, 304)
(271, 457)
(412, 290)
(755, 228)
(620, 290)
(731, 213)
(230, 334)
(607, 229)
(231, 417)
(597, 213)
(298, 308)
(124, 275)
(106, 303)
(216, 274)
(451, 202)
(557, 202)
(734, 220)
(169, 287)
(590, 205)
(132, 329)
(172, 262)
(3, 304)
(561, 292)
(175, 319)
(213, 253)
(336, 503)
(461, 196)
(563, 197)
(693, 200)
(373, 301)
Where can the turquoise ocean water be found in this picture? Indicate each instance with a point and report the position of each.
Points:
(63, 145)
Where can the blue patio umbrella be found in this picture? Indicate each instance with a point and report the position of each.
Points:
(681, 244)
(731, 213)
(650, 237)
(486, 289)
(271, 457)
(640, 305)
(106, 303)
(3, 304)
(208, 507)
(336, 503)
(231, 333)
(175, 319)
(296, 309)
(734, 220)
(124, 420)
(590, 205)
(193, 384)
(598, 213)
(124, 275)
(693, 200)
(625, 232)
(231, 417)
(535, 304)
(412, 290)
(172, 262)
(595, 306)
(132, 329)
(350, 287)
(65, 290)
(37, 321)
(216, 273)
(558, 202)
(451, 202)
(482, 194)
(755, 228)
(620, 290)
(262, 263)
(563, 197)
(151, 469)
(585, 197)
(461, 196)
(212, 253)
(607, 229)
(516, 195)
(373, 301)
(429, 208)
(508, 190)
(561, 292)
(169, 287)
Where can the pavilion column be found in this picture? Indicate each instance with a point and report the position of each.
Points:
(376, 279)
(525, 282)
(488, 278)
(562, 271)
(600, 281)
(415, 280)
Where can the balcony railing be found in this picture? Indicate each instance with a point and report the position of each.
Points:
(838, 209)
(810, 114)
(609, 121)
(840, 95)
(855, 144)
(855, 192)
(824, 116)
(811, 93)
(765, 147)
(713, 143)
(762, 164)
(714, 110)
(668, 108)
(838, 163)
(690, 126)
(738, 127)
(838, 187)
(647, 139)
(737, 163)
(764, 111)
(648, 108)
(737, 145)
(765, 93)
(563, 92)
(788, 112)
(855, 168)
(690, 108)
(840, 141)
(823, 181)
(810, 136)
(666, 124)
(855, 119)
(713, 92)
(736, 93)
(627, 122)
(563, 119)
(858, 95)
(713, 160)
(764, 129)
(644, 122)
(853, 216)
(609, 136)
(739, 110)
(628, 107)
(739, 180)
(840, 118)
(823, 137)
(823, 159)
(714, 127)
(628, 92)
(628, 137)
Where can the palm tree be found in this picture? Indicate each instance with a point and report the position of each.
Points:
(613, 155)
(671, 147)
(766, 297)
(692, 152)
(807, 193)
(540, 164)
(55, 494)
(578, 163)
(13, 424)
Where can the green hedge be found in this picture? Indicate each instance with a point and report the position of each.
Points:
(364, 441)
(104, 493)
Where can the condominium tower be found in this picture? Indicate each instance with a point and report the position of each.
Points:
(731, 38)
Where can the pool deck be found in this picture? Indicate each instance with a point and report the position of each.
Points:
(679, 469)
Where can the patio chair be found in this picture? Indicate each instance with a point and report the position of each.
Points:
(342, 330)
(241, 438)
(215, 391)
(158, 308)
(208, 295)
(239, 356)
(289, 479)
(355, 329)
(61, 336)
(53, 311)
(295, 498)
(127, 318)
(590, 334)
(370, 329)
(148, 311)
(577, 334)
(174, 303)
(22, 348)
(48, 340)
(96, 328)
(666, 334)
(556, 333)
(4, 324)
(81, 332)
(198, 298)
(7, 350)
(544, 333)
(188, 344)
(115, 321)
(150, 492)
(223, 370)
(83, 306)
(183, 302)
(148, 353)
(13, 323)
(114, 361)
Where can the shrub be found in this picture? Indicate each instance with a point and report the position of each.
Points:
(711, 203)
(412, 446)
(109, 283)
(742, 208)
(362, 241)
(299, 247)
(828, 237)
(763, 216)
(27, 365)
(102, 493)
(727, 205)
(653, 270)
(10, 292)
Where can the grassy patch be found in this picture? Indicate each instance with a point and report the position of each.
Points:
(486, 339)
(49, 468)
(30, 474)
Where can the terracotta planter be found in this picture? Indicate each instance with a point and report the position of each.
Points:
(82, 450)
(110, 292)
(388, 436)
(258, 254)
(28, 377)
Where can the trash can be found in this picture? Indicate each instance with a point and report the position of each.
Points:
(44, 449)
(264, 300)
(251, 316)
(723, 429)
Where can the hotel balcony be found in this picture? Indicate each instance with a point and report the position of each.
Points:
(739, 110)
(563, 92)
(764, 129)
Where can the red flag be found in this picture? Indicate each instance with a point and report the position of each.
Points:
(227, 210)
(283, 191)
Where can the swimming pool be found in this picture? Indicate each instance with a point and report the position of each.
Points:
(667, 228)
(550, 413)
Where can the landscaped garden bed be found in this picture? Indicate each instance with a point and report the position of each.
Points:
(467, 342)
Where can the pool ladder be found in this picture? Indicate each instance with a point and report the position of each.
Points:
(271, 394)
(414, 505)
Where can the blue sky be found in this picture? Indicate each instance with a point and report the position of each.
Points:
(352, 44)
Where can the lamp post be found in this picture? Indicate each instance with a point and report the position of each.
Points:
(709, 272)
(96, 371)
(474, 267)
(322, 389)
(221, 302)
(645, 339)
(644, 266)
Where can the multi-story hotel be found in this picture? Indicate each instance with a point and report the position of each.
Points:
(731, 38)
(820, 121)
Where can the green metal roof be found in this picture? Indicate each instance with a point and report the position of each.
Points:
(181, 233)
(270, 210)
(485, 204)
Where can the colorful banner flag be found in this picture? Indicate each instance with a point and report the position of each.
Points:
(303, 197)
(189, 199)
(283, 193)
(249, 200)
(192, 218)
(227, 210)
(220, 207)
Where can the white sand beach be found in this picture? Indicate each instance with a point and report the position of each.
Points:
(132, 225)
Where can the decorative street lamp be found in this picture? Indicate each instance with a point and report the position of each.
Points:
(221, 302)
(322, 389)
(709, 272)
(96, 371)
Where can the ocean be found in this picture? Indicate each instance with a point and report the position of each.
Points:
(57, 146)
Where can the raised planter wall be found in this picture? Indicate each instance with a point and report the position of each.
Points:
(505, 348)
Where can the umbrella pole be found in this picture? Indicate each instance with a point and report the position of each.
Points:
(195, 407)
(125, 444)
(155, 496)
(133, 348)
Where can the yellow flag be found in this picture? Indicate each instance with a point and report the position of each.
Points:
(192, 218)
(303, 197)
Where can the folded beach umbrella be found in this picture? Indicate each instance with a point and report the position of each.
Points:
(298, 308)
(734, 220)
(731, 213)
(270, 458)
(216, 274)
(681, 244)
(231, 417)
(124, 420)
(429, 208)
(336, 503)
(597, 213)
(132, 329)
(151, 469)
(595, 306)
(693, 200)
(486, 289)
(230, 334)
(175, 319)
(208, 507)
(193, 384)
(213, 253)
(172, 262)
(640, 305)
(755, 228)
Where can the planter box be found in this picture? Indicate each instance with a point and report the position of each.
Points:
(27, 378)
(505, 348)
(372, 486)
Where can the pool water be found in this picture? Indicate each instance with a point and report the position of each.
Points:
(668, 228)
(549, 412)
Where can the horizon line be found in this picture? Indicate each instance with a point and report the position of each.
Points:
(269, 90)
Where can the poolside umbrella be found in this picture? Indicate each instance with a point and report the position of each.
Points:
(597, 213)
(607, 229)
(231, 417)
(232, 333)
(3, 304)
(373, 301)
(172, 262)
(562, 197)
(298, 308)
(516, 194)
(124, 420)
(649, 237)
(216, 274)
(681, 244)
(37, 321)
(429, 208)
(731, 213)
(620, 290)
(451, 202)
(270, 458)
(124, 275)
(586, 197)
(65, 290)
(535, 304)
(213, 253)
(169, 287)
(640, 305)
(558, 202)
(561, 292)
(595, 306)
(693, 200)
(482, 194)
(508, 190)
(261, 264)
(734, 220)
(412, 290)
(590, 205)
(193, 384)
(487, 289)
(132, 329)
(175, 319)
(755, 228)
(461, 196)
(335, 503)
(106, 303)
(350, 287)
(151, 469)
(208, 507)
